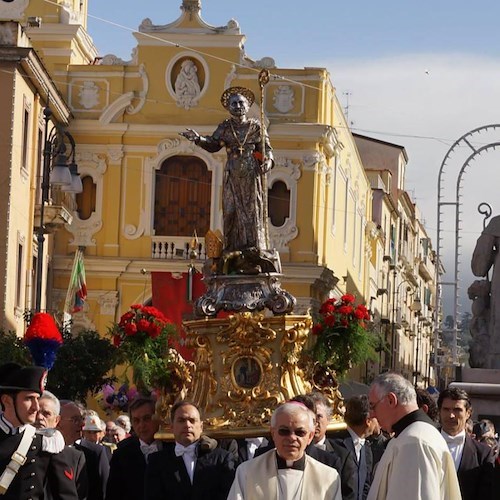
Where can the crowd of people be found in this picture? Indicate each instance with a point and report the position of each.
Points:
(399, 443)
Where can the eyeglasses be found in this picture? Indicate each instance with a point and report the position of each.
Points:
(283, 431)
(372, 406)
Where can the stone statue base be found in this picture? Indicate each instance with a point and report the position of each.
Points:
(483, 387)
(246, 365)
(243, 292)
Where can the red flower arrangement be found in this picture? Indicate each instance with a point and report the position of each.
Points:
(142, 336)
(342, 339)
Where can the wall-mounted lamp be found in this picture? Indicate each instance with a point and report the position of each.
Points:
(55, 172)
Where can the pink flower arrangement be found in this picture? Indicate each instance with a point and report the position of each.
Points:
(342, 339)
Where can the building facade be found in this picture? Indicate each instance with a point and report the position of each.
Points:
(338, 212)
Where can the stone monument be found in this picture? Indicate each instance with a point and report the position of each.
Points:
(485, 325)
(481, 381)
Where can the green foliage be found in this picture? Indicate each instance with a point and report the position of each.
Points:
(342, 340)
(13, 350)
(82, 365)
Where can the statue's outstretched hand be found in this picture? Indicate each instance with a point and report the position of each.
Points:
(190, 135)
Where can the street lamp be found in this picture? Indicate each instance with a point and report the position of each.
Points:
(55, 172)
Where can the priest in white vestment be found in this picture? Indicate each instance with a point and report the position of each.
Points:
(287, 473)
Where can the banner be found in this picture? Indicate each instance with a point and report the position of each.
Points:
(77, 289)
(171, 292)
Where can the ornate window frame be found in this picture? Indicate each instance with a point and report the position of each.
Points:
(168, 148)
(288, 171)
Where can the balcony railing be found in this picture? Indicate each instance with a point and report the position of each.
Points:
(57, 212)
(176, 247)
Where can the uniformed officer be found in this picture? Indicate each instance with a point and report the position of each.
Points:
(26, 466)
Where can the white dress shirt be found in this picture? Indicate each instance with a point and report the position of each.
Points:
(188, 454)
(357, 441)
(455, 445)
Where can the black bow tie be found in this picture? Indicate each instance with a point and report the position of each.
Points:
(298, 465)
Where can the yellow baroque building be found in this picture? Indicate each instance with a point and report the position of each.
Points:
(147, 191)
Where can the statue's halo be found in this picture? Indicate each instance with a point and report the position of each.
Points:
(228, 93)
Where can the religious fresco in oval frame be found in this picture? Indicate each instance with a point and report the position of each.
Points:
(246, 372)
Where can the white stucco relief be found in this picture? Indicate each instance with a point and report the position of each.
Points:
(284, 98)
(288, 171)
(91, 162)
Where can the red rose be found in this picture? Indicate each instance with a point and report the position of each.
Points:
(327, 308)
(346, 310)
(130, 329)
(126, 318)
(317, 329)
(135, 306)
(344, 322)
(330, 320)
(154, 330)
(348, 298)
(359, 314)
(117, 341)
(143, 325)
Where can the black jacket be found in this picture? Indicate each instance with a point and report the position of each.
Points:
(476, 471)
(40, 469)
(343, 438)
(127, 471)
(97, 468)
(167, 477)
(347, 468)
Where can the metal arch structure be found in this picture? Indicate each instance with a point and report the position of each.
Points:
(466, 140)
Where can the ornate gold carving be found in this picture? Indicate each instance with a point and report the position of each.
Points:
(246, 365)
(247, 404)
(214, 244)
(205, 384)
(293, 380)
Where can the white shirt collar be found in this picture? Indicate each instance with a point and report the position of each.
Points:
(321, 442)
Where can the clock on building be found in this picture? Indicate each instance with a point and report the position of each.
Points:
(12, 9)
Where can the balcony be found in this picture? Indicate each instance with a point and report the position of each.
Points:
(56, 213)
(425, 268)
(176, 248)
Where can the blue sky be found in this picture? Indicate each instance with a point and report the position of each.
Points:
(418, 74)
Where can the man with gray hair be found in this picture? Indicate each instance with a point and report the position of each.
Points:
(287, 472)
(417, 464)
(48, 417)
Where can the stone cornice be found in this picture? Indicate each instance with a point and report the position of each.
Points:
(39, 78)
(134, 268)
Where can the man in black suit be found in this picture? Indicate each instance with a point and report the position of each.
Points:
(353, 439)
(474, 461)
(20, 390)
(344, 460)
(184, 470)
(48, 417)
(128, 463)
(70, 425)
